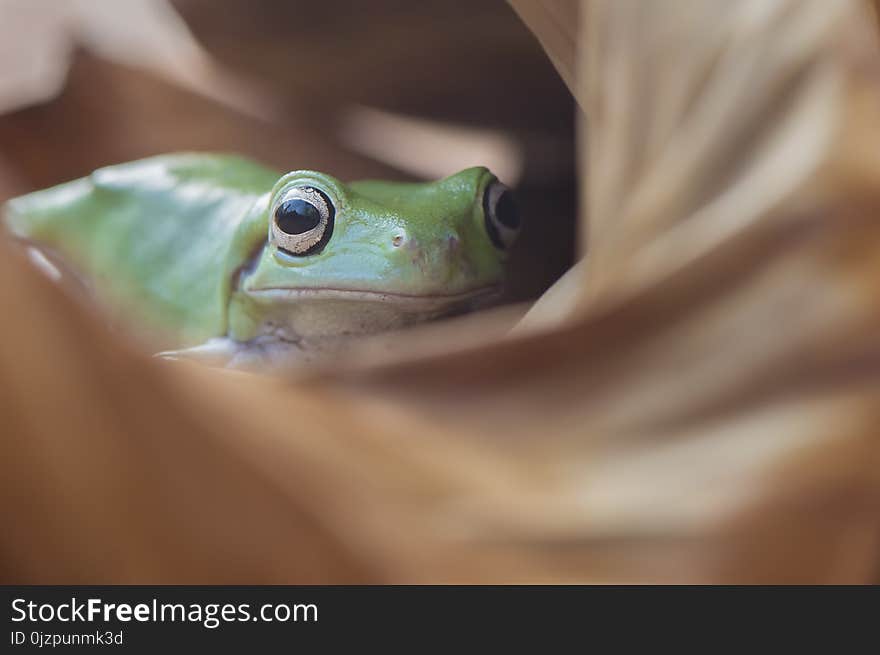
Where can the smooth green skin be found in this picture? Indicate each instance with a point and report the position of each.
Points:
(166, 238)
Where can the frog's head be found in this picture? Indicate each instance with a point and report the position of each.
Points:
(372, 255)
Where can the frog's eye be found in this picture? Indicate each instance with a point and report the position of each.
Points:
(500, 215)
(302, 220)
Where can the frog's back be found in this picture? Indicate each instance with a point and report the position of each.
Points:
(156, 232)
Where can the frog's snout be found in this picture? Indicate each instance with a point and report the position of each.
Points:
(401, 238)
(448, 244)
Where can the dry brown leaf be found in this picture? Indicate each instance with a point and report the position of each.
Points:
(697, 401)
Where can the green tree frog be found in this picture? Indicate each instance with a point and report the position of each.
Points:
(239, 264)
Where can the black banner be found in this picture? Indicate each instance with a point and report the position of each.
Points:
(150, 618)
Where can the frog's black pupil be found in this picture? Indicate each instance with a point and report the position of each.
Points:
(506, 211)
(297, 216)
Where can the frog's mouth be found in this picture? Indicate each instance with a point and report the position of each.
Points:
(473, 298)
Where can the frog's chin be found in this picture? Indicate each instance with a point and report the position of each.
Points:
(329, 312)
